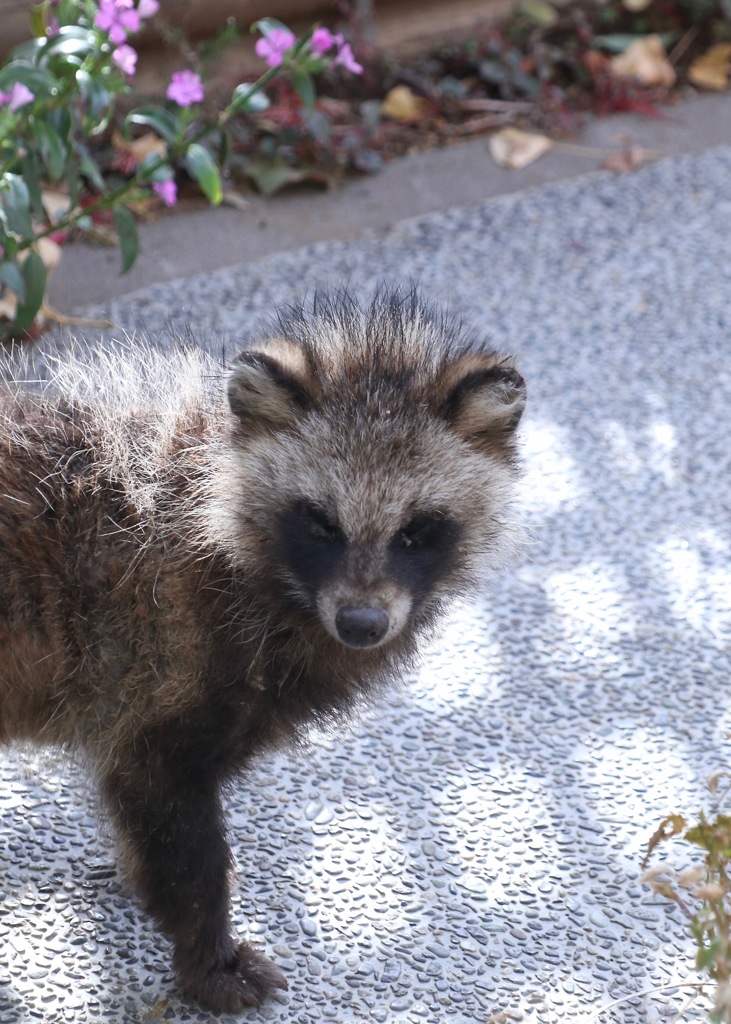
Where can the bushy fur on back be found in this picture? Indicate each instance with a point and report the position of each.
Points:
(194, 566)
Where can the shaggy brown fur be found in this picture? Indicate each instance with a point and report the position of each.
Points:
(185, 583)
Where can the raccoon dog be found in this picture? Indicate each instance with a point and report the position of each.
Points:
(191, 573)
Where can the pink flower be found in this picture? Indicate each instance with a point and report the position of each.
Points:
(323, 40)
(185, 88)
(167, 190)
(117, 17)
(52, 27)
(346, 60)
(18, 96)
(125, 58)
(148, 8)
(273, 46)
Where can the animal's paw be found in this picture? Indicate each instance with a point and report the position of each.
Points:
(246, 980)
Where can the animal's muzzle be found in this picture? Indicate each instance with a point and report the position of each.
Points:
(361, 627)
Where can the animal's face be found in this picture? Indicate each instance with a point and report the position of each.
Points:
(365, 587)
(378, 474)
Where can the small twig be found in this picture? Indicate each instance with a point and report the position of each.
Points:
(477, 124)
(173, 37)
(591, 151)
(51, 313)
(686, 1006)
(519, 106)
(683, 43)
(700, 985)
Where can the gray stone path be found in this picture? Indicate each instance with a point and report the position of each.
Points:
(470, 852)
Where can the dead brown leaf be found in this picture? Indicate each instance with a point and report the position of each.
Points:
(401, 104)
(130, 153)
(645, 61)
(629, 159)
(516, 149)
(711, 70)
(49, 252)
(56, 204)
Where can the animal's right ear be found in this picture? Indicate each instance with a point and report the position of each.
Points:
(485, 401)
(270, 390)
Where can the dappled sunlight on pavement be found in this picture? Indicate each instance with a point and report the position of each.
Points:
(472, 848)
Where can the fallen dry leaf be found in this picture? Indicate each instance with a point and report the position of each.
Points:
(645, 61)
(49, 252)
(629, 159)
(539, 11)
(401, 104)
(130, 154)
(711, 70)
(56, 204)
(515, 149)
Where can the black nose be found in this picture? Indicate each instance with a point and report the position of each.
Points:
(361, 627)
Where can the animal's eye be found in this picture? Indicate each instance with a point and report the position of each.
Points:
(421, 532)
(319, 526)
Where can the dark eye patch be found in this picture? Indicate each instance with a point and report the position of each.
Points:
(422, 552)
(422, 532)
(309, 543)
(319, 525)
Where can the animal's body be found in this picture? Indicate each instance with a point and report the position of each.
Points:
(191, 573)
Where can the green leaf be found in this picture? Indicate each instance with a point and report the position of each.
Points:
(95, 95)
(249, 99)
(129, 241)
(266, 25)
(705, 957)
(302, 43)
(270, 175)
(89, 169)
(51, 146)
(32, 178)
(70, 39)
(37, 19)
(16, 204)
(714, 836)
(27, 51)
(304, 86)
(224, 149)
(539, 11)
(38, 80)
(34, 277)
(12, 277)
(202, 167)
(153, 169)
(74, 179)
(164, 122)
(318, 126)
(60, 121)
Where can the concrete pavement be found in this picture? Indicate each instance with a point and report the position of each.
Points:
(470, 851)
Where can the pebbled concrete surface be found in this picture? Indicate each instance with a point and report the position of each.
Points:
(470, 852)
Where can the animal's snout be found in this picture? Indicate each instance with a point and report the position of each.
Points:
(361, 627)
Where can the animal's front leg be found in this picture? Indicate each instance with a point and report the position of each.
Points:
(174, 827)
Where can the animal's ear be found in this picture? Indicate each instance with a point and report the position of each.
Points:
(270, 388)
(485, 400)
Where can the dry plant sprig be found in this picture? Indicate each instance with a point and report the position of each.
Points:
(706, 897)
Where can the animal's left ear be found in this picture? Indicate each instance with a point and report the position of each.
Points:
(485, 400)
